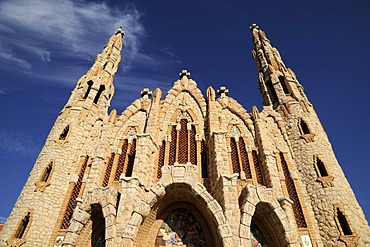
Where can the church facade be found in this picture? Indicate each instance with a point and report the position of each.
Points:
(187, 170)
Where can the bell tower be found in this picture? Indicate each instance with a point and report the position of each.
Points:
(58, 179)
(325, 194)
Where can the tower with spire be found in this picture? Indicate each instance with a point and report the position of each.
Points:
(187, 170)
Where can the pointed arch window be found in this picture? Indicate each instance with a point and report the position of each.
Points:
(23, 226)
(77, 189)
(44, 179)
(322, 173)
(183, 145)
(244, 160)
(89, 86)
(292, 193)
(305, 130)
(98, 94)
(63, 136)
(126, 159)
(345, 228)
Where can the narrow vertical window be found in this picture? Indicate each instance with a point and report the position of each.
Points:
(172, 154)
(46, 175)
(23, 226)
(183, 142)
(89, 83)
(108, 170)
(64, 134)
(131, 159)
(162, 149)
(258, 168)
(244, 158)
(292, 192)
(234, 156)
(343, 223)
(98, 94)
(193, 146)
(321, 168)
(75, 193)
(283, 84)
(121, 160)
(271, 90)
(203, 153)
(304, 127)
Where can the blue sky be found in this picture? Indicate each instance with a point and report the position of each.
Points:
(45, 46)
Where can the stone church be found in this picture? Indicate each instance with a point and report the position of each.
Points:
(187, 169)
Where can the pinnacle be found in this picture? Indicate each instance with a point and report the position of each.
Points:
(119, 30)
(253, 26)
(183, 73)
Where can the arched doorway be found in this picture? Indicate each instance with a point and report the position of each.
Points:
(265, 228)
(179, 218)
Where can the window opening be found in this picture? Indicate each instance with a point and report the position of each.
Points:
(75, 193)
(162, 149)
(234, 157)
(47, 172)
(64, 134)
(203, 153)
(292, 192)
(244, 158)
(97, 96)
(304, 127)
(121, 160)
(282, 83)
(321, 168)
(23, 226)
(343, 223)
(108, 170)
(89, 83)
(271, 90)
(131, 159)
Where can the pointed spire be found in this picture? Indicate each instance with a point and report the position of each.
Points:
(278, 84)
(98, 81)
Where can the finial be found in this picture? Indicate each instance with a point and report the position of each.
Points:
(183, 73)
(253, 26)
(146, 93)
(223, 92)
(119, 30)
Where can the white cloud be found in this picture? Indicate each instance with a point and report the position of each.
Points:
(45, 27)
(17, 143)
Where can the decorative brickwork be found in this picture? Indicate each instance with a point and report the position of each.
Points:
(108, 170)
(183, 142)
(234, 156)
(162, 149)
(121, 160)
(297, 208)
(257, 167)
(75, 193)
(131, 159)
(172, 153)
(244, 157)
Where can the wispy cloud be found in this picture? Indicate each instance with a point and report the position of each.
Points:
(17, 143)
(42, 29)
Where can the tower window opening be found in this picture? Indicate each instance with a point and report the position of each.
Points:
(97, 96)
(89, 83)
(304, 127)
(321, 168)
(23, 226)
(271, 91)
(203, 153)
(343, 223)
(64, 134)
(283, 84)
(45, 177)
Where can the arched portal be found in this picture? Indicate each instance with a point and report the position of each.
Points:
(181, 218)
